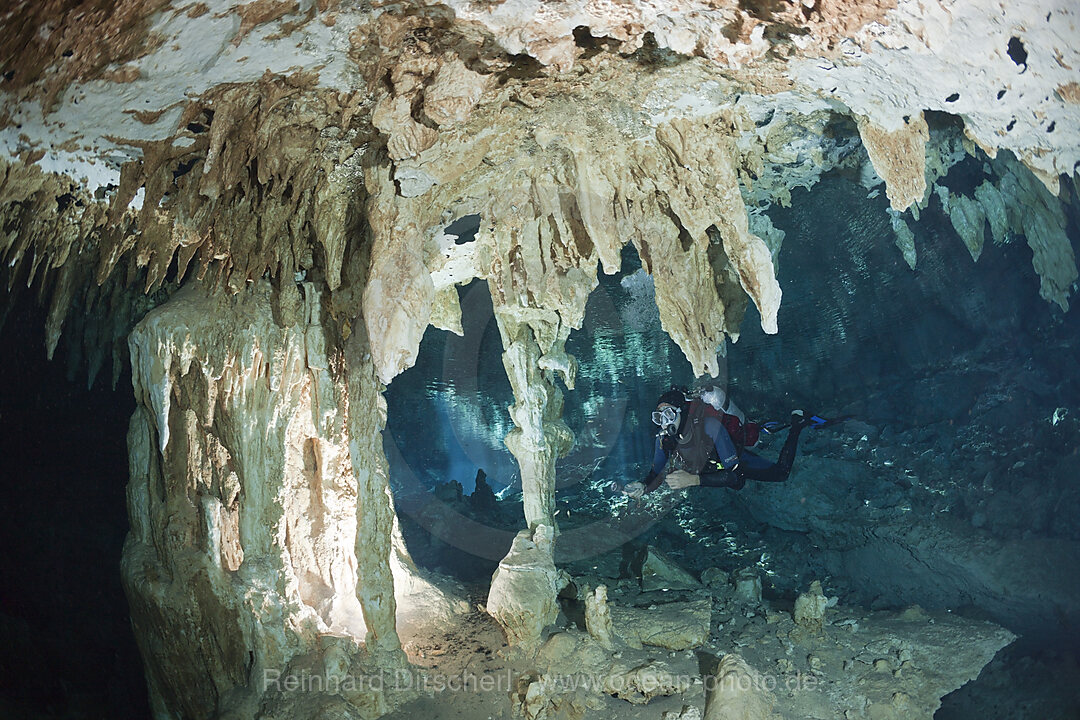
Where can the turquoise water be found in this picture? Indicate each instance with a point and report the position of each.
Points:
(447, 415)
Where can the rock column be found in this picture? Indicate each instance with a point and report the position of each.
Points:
(261, 523)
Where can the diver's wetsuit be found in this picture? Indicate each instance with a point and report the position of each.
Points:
(704, 448)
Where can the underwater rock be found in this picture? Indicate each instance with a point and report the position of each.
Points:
(689, 712)
(482, 497)
(934, 561)
(675, 626)
(573, 670)
(810, 607)
(748, 585)
(715, 578)
(522, 598)
(257, 525)
(739, 693)
(541, 697)
(598, 617)
(659, 572)
(449, 492)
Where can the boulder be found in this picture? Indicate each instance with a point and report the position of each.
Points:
(674, 626)
(659, 572)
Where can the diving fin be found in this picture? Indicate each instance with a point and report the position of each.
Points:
(816, 421)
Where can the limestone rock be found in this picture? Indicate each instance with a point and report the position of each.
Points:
(235, 567)
(715, 578)
(899, 156)
(482, 497)
(449, 492)
(659, 572)
(810, 607)
(1017, 581)
(674, 626)
(573, 670)
(905, 239)
(689, 712)
(524, 587)
(969, 221)
(598, 617)
(642, 683)
(393, 115)
(748, 585)
(453, 93)
(739, 693)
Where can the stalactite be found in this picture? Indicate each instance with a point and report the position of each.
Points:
(899, 156)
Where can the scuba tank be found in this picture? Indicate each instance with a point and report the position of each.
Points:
(743, 432)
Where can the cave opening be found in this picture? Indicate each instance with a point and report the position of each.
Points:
(447, 418)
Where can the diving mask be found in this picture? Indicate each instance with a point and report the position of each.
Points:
(667, 418)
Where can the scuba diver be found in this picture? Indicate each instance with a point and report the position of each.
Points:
(709, 439)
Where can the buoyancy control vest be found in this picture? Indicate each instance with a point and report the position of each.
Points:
(695, 450)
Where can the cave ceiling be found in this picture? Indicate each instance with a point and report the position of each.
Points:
(332, 142)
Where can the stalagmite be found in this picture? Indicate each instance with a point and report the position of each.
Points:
(810, 607)
(739, 693)
(598, 617)
(524, 588)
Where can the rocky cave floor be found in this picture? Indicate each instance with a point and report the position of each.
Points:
(986, 478)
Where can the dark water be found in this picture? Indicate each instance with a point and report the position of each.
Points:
(66, 644)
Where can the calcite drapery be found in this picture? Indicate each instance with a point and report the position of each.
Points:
(261, 515)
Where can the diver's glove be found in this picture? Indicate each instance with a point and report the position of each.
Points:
(634, 490)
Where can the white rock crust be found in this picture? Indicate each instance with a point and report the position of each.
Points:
(954, 57)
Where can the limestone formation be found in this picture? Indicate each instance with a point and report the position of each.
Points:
(899, 156)
(659, 572)
(748, 585)
(738, 693)
(715, 578)
(247, 545)
(267, 187)
(598, 617)
(905, 240)
(688, 712)
(810, 607)
(675, 626)
(524, 588)
(573, 672)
